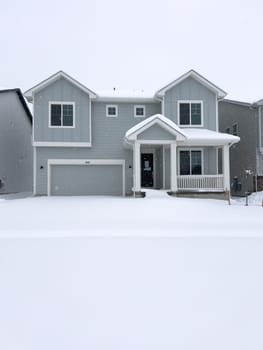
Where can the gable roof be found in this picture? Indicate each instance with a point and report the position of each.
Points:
(258, 103)
(193, 74)
(159, 119)
(60, 74)
(21, 99)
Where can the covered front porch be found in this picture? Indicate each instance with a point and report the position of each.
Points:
(178, 160)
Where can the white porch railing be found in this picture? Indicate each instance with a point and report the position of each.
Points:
(200, 182)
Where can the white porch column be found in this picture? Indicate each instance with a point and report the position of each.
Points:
(226, 168)
(173, 168)
(136, 167)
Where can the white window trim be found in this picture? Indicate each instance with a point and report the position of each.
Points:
(60, 103)
(190, 125)
(110, 115)
(139, 116)
(191, 149)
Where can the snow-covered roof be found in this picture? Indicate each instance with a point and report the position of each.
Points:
(126, 95)
(198, 136)
(184, 136)
(29, 93)
(159, 119)
(193, 74)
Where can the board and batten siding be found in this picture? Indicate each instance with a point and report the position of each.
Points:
(107, 142)
(62, 91)
(190, 89)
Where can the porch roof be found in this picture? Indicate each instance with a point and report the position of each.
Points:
(183, 136)
(157, 119)
(196, 136)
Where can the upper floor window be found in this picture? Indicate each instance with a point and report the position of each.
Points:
(112, 111)
(61, 114)
(190, 113)
(234, 129)
(139, 111)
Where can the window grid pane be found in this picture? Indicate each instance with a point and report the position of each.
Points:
(68, 115)
(140, 111)
(55, 115)
(196, 163)
(196, 113)
(184, 113)
(112, 111)
(184, 163)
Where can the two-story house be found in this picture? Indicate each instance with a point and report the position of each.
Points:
(86, 143)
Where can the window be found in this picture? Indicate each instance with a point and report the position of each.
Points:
(234, 129)
(190, 113)
(112, 111)
(139, 111)
(61, 114)
(227, 130)
(190, 162)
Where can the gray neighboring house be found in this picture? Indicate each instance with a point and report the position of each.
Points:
(246, 157)
(88, 143)
(16, 152)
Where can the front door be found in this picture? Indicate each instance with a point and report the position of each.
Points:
(146, 169)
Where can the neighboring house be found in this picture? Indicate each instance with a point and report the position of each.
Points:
(240, 118)
(118, 144)
(16, 152)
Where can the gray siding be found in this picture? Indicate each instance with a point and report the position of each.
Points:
(156, 133)
(242, 154)
(107, 142)
(16, 152)
(63, 91)
(190, 89)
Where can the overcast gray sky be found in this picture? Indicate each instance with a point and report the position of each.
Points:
(134, 43)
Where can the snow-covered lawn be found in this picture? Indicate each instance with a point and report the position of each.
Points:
(123, 273)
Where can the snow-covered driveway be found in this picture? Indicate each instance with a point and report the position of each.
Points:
(123, 273)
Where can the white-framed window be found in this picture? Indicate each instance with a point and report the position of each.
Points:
(61, 114)
(139, 111)
(191, 161)
(234, 129)
(112, 111)
(190, 113)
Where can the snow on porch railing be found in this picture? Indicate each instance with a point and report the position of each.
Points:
(200, 182)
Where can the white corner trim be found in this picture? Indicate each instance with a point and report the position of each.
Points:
(90, 121)
(87, 162)
(61, 144)
(139, 116)
(60, 103)
(217, 121)
(111, 115)
(34, 170)
(190, 125)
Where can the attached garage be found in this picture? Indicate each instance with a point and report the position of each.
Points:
(75, 177)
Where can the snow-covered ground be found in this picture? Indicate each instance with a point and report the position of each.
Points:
(124, 273)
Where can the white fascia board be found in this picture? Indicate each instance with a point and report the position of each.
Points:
(204, 142)
(221, 93)
(29, 93)
(60, 144)
(127, 99)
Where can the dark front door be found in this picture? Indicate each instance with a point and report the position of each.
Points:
(147, 170)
